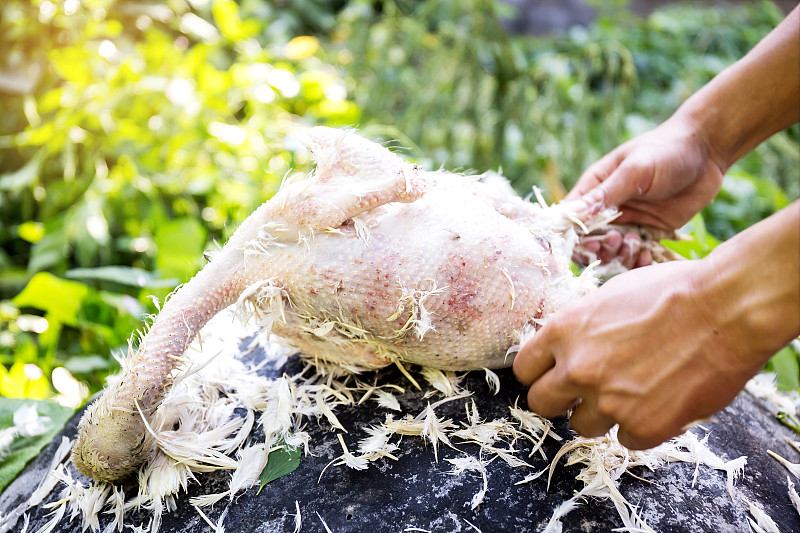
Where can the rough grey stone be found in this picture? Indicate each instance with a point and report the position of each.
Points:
(418, 492)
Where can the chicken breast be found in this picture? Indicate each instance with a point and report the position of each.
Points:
(366, 262)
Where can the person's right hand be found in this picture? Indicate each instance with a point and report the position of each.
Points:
(661, 178)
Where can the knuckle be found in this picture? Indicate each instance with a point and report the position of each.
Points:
(579, 373)
(607, 407)
(535, 405)
(634, 438)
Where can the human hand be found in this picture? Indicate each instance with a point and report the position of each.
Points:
(661, 178)
(646, 351)
(609, 244)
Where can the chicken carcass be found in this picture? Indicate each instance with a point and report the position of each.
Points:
(366, 262)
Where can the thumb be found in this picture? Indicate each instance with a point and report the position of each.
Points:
(629, 180)
(534, 358)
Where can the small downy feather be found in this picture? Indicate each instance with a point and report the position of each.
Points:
(793, 468)
(761, 521)
(50, 481)
(377, 445)
(350, 460)
(387, 400)
(554, 525)
(252, 461)
(469, 462)
(328, 413)
(493, 381)
(445, 382)
(435, 430)
(215, 527)
(298, 519)
(793, 494)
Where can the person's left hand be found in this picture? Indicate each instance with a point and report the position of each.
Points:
(644, 351)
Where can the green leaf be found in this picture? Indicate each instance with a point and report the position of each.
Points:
(699, 244)
(132, 277)
(281, 461)
(786, 366)
(180, 247)
(87, 364)
(24, 177)
(23, 449)
(60, 298)
(48, 251)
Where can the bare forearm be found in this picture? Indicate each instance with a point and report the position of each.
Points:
(752, 99)
(754, 292)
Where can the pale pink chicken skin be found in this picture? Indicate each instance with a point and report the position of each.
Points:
(368, 261)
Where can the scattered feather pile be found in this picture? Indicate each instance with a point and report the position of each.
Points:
(605, 460)
(222, 415)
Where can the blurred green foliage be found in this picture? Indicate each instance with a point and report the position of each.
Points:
(137, 134)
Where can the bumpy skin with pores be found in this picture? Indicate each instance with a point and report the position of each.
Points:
(368, 261)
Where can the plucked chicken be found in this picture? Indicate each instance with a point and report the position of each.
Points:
(368, 261)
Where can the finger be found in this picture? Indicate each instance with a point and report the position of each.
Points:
(645, 259)
(630, 180)
(535, 357)
(629, 250)
(610, 246)
(549, 396)
(591, 244)
(595, 174)
(635, 441)
(588, 422)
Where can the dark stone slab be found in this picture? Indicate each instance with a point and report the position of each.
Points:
(417, 492)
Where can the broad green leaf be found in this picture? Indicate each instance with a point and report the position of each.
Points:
(22, 178)
(59, 297)
(180, 245)
(87, 364)
(23, 449)
(699, 243)
(786, 366)
(280, 462)
(48, 251)
(132, 277)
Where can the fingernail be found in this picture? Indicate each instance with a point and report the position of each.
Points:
(588, 204)
(576, 206)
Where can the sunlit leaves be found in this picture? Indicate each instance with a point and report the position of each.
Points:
(230, 24)
(132, 277)
(61, 299)
(301, 47)
(180, 247)
(24, 380)
(153, 131)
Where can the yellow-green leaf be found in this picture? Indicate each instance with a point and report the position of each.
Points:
(59, 297)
